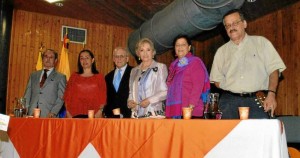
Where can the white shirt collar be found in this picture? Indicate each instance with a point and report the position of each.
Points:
(122, 68)
(48, 72)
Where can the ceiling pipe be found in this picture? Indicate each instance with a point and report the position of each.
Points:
(189, 17)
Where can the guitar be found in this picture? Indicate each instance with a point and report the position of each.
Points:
(260, 98)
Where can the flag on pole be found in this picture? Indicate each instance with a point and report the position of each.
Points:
(39, 63)
(64, 66)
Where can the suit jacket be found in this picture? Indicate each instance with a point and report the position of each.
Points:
(48, 98)
(117, 99)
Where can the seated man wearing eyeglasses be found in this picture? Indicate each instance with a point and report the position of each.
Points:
(242, 67)
(117, 84)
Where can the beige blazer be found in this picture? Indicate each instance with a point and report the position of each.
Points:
(149, 85)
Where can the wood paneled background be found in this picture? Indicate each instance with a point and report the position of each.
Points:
(30, 29)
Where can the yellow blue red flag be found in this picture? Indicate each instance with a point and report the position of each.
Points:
(64, 66)
(39, 63)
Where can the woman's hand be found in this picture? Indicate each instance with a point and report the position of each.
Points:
(131, 104)
(191, 106)
(99, 114)
(68, 115)
(144, 103)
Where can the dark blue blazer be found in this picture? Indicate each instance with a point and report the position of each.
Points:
(117, 99)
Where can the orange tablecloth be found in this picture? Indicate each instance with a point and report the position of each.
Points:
(117, 138)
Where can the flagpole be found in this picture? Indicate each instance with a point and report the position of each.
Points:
(41, 48)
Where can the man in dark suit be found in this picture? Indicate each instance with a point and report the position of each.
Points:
(46, 87)
(117, 84)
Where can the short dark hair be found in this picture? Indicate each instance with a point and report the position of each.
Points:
(235, 11)
(188, 40)
(51, 50)
(80, 68)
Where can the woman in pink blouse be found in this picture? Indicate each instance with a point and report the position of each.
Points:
(187, 80)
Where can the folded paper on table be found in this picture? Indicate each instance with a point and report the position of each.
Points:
(4, 120)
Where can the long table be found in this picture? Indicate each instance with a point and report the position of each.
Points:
(143, 138)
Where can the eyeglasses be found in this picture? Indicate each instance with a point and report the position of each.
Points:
(120, 56)
(232, 24)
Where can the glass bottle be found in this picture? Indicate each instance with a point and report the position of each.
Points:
(211, 108)
(20, 107)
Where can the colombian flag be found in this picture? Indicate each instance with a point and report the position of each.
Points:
(64, 66)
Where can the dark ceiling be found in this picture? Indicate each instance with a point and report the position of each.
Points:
(126, 13)
(130, 13)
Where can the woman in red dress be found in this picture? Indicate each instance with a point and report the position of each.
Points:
(86, 89)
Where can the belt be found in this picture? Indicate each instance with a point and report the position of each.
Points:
(250, 94)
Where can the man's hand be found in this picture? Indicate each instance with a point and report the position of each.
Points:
(270, 103)
(217, 84)
(51, 115)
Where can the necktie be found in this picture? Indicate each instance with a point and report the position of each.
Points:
(44, 77)
(117, 80)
